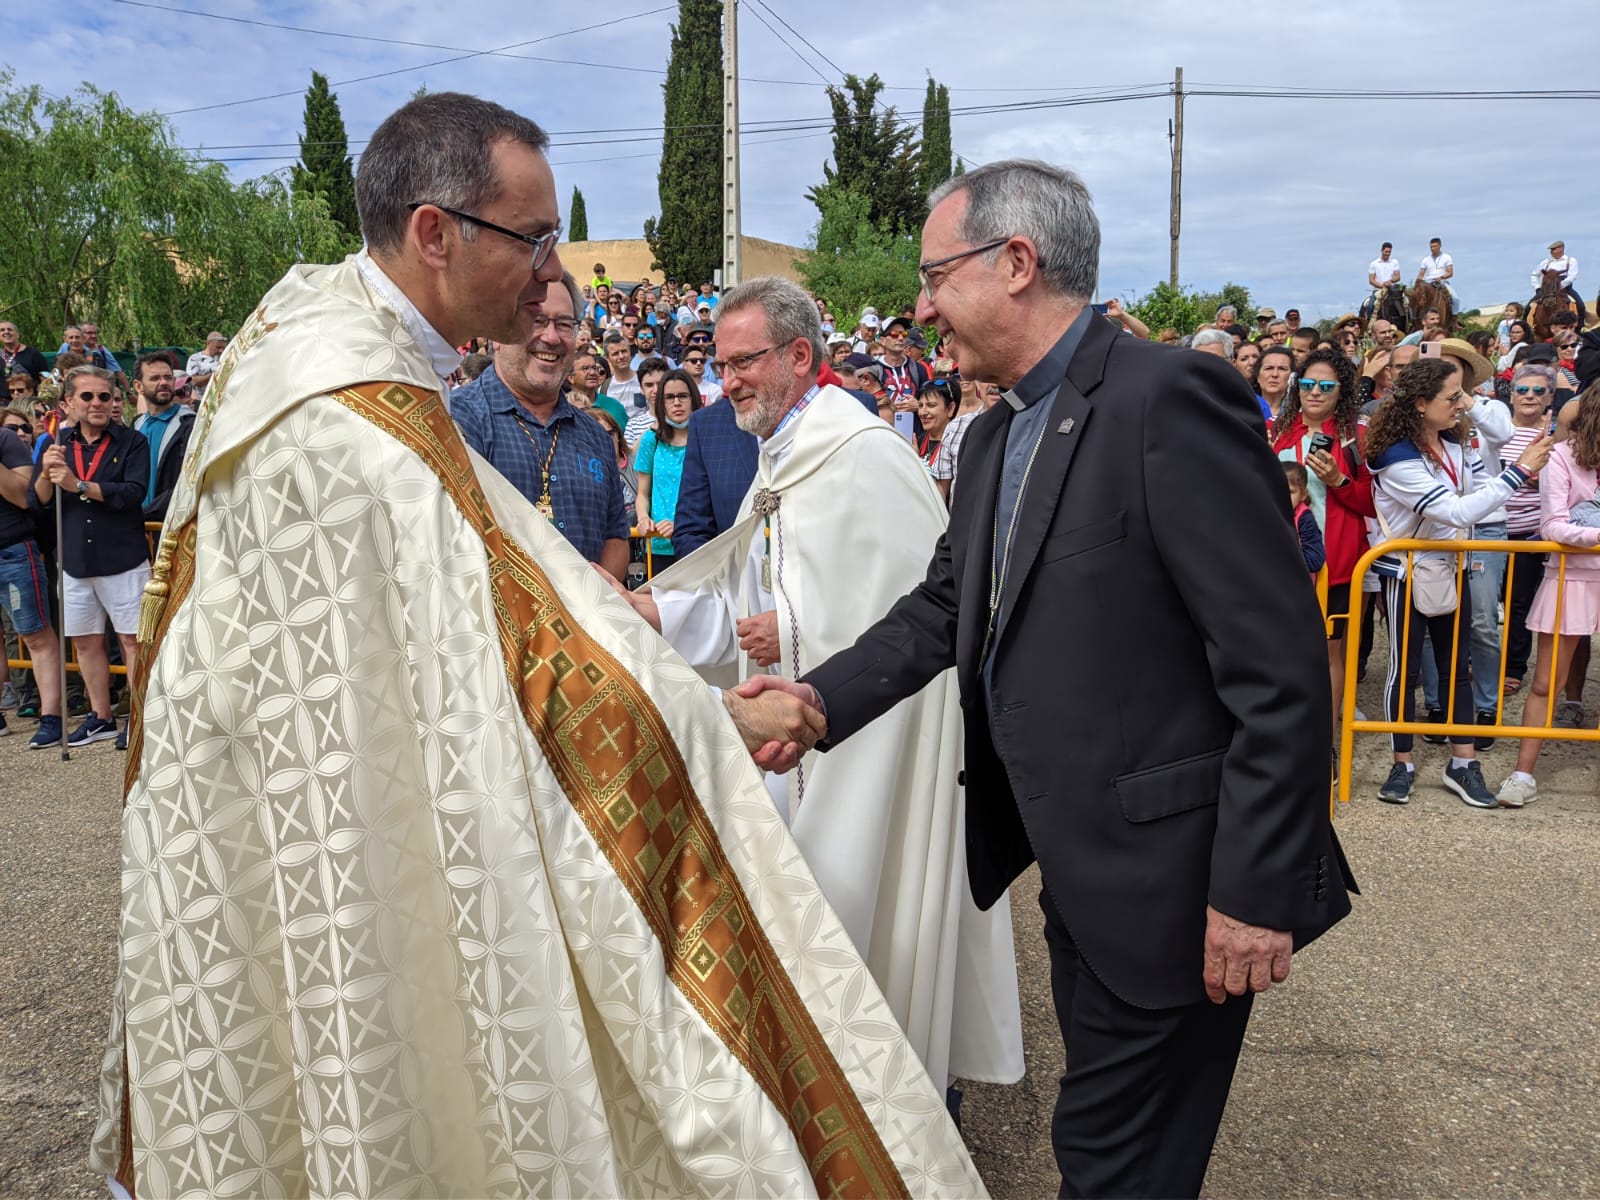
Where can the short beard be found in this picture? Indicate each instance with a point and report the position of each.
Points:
(770, 408)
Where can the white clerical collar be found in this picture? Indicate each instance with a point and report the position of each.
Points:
(440, 352)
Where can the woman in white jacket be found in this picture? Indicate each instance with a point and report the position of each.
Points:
(1431, 485)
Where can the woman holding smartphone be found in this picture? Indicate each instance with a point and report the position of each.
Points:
(1318, 426)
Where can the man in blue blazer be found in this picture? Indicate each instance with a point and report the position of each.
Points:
(718, 465)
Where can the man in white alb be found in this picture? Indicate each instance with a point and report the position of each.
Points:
(1560, 260)
(842, 513)
(1437, 267)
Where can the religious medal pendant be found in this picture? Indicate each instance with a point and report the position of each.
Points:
(546, 509)
(766, 573)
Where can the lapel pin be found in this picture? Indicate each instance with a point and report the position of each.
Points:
(1066, 426)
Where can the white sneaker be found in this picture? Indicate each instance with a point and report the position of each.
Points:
(1515, 792)
(1360, 716)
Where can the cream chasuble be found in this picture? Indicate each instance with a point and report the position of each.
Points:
(441, 874)
(879, 818)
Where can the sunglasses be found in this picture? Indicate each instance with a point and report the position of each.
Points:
(1523, 389)
(18, 428)
(695, 362)
(102, 397)
(1319, 385)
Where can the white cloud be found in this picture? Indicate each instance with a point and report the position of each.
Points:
(1290, 197)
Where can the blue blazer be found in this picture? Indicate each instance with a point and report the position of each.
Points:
(718, 464)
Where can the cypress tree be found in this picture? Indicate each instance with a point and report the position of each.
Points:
(686, 239)
(935, 152)
(873, 153)
(324, 164)
(578, 219)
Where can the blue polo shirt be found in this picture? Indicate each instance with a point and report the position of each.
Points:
(155, 427)
(585, 485)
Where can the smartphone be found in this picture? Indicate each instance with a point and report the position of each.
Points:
(1322, 442)
(1100, 308)
(905, 424)
(1431, 349)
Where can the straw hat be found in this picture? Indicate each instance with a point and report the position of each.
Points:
(1477, 369)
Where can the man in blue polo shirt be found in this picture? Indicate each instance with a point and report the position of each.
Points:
(563, 460)
(166, 425)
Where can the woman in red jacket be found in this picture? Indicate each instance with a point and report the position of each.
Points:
(1318, 426)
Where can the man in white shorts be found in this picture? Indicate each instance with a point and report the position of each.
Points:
(99, 471)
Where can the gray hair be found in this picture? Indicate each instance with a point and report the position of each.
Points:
(1050, 206)
(436, 150)
(1233, 315)
(574, 293)
(791, 314)
(873, 372)
(1214, 337)
(92, 372)
(1544, 371)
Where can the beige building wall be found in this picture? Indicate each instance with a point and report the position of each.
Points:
(630, 260)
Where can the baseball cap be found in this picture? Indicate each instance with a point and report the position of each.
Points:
(892, 322)
(917, 338)
(1269, 313)
(700, 327)
(856, 361)
(838, 339)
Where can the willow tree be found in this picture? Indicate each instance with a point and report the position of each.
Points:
(108, 219)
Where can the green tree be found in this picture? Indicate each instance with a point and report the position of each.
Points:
(686, 239)
(108, 218)
(855, 261)
(324, 167)
(875, 155)
(1185, 310)
(578, 219)
(934, 157)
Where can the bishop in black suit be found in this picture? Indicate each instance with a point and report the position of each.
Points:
(1143, 672)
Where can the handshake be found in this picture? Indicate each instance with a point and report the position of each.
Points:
(779, 720)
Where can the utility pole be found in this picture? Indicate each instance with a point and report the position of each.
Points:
(1176, 134)
(732, 256)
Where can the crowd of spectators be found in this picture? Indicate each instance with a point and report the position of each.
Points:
(612, 421)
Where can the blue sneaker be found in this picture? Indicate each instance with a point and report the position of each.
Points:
(93, 729)
(47, 735)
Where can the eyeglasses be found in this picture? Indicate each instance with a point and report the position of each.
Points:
(565, 326)
(740, 363)
(1523, 389)
(924, 270)
(102, 397)
(542, 245)
(1319, 385)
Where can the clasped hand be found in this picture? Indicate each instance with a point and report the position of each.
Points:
(779, 720)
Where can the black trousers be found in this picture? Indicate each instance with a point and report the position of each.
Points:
(1144, 1089)
(1524, 587)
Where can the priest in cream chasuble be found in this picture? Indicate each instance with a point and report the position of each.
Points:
(441, 874)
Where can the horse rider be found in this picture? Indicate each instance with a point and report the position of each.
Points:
(1439, 268)
(1560, 260)
(1381, 272)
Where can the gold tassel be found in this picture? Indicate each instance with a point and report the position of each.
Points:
(154, 602)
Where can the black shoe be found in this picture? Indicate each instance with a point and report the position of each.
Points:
(1397, 788)
(4, 728)
(952, 1102)
(77, 705)
(95, 729)
(1435, 717)
(1467, 782)
(1486, 718)
(30, 706)
(122, 738)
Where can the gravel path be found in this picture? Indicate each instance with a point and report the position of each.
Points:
(1443, 1041)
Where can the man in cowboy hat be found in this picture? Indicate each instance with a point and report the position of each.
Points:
(1560, 260)
(1264, 318)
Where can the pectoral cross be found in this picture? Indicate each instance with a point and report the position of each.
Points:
(764, 505)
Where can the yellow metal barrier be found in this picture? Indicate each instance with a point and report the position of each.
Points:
(1349, 726)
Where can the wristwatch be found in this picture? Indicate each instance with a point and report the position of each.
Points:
(83, 487)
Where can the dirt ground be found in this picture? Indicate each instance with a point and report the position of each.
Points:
(1443, 1041)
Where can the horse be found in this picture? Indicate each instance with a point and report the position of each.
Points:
(1550, 299)
(1432, 295)
(1392, 307)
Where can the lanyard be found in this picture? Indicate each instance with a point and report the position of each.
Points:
(543, 502)
(88, 473)
(1444, 461)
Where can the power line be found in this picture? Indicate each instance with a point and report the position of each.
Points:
(418, 66)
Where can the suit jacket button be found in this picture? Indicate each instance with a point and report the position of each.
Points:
(961, 779)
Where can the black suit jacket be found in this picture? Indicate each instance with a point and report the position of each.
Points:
(1159, 727)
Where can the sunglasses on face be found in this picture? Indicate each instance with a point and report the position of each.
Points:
(695, 362)
(1320, 385)
(1523, 389)
(101, 397)
(18, 428)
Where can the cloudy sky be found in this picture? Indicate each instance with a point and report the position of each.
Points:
(1290, 196)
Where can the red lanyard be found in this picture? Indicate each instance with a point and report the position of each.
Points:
(1444, 461)
(87, 473)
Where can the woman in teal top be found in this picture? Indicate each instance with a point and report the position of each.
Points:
(658, 462)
